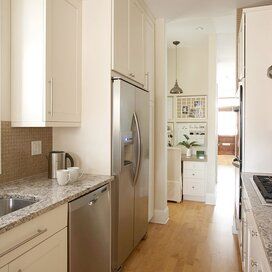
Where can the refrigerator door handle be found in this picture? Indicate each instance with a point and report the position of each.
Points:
(139, 144)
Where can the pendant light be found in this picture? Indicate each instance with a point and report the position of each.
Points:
(176, 89)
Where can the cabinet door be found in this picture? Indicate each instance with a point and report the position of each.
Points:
(120, 37)
(4, 269)
(63, 60)
(149, 41)
(50, 255)
(136, 42)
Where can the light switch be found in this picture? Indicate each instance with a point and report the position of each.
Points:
(36, 148)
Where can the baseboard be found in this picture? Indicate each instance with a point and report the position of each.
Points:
(234, 229)
(210, 199)
(194, 198)
(160, 216)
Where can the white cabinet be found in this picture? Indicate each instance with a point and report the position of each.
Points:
(258, 60)
(149, 56)
(37, 245)
(136, 41)
(253, 255)
(46, 62)
(50, 255)
(4, 269)
(128, 39)
(194, 180)
(120, 50)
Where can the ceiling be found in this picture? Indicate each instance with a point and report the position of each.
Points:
(173, 9)
(187, 30)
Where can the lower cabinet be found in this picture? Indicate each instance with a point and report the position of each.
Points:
(253, 255)
(39, 245)
(4, 269)
(50, 255)
(194, 180)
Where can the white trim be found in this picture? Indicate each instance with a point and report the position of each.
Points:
(197, 198)
(210, 199)
(260, 8)
(160, 216)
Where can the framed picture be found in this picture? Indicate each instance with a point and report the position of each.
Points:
(191, 108)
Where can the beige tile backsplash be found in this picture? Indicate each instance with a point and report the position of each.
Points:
(17, 161)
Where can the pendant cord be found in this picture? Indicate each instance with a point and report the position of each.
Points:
(176, 62)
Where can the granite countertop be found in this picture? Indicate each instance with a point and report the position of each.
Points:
(262, 215)
(193, 158)
(48, 194)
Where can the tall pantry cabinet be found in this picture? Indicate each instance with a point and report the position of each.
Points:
(46, 62)
(255, 62)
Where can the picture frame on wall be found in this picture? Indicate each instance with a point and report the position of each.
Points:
(191, 108)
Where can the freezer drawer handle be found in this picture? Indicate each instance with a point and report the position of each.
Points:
(91, 203)
(38, 233)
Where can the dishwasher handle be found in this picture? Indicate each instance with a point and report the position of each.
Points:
(92, 202)
(88, 199)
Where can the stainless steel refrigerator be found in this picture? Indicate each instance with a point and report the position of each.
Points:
(130, 166)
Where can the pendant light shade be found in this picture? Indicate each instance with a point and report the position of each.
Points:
(176, 89)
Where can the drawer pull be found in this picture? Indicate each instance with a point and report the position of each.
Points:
(38, 233)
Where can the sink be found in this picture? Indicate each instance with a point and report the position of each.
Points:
(12, 204)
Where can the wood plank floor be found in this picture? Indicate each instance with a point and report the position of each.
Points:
(197, 238)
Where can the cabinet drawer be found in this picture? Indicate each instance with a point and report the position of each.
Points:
(24, 237)
(201, 166)
(191, 173)
(194, 188)
(50, 255)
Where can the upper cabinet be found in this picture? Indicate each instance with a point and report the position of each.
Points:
(136, 42)
(46, 63)
(128, 40)
(149, 57)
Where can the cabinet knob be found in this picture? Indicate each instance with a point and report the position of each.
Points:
(253, 263)
(132, 75)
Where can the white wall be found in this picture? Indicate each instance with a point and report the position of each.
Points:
(192, 68)
(161, 213)
(212, 124)
(91, 143)
(197, 76)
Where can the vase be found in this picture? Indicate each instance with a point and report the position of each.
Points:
(189, 152)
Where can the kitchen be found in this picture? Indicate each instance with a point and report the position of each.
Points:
(75, 77)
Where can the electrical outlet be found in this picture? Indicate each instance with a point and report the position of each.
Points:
(36, 148)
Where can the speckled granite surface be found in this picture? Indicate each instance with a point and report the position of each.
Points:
(48, 194)
(262, 215)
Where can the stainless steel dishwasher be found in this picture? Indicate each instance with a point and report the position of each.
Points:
(90, 232)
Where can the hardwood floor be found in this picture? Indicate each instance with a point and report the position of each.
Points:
(197, 238)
